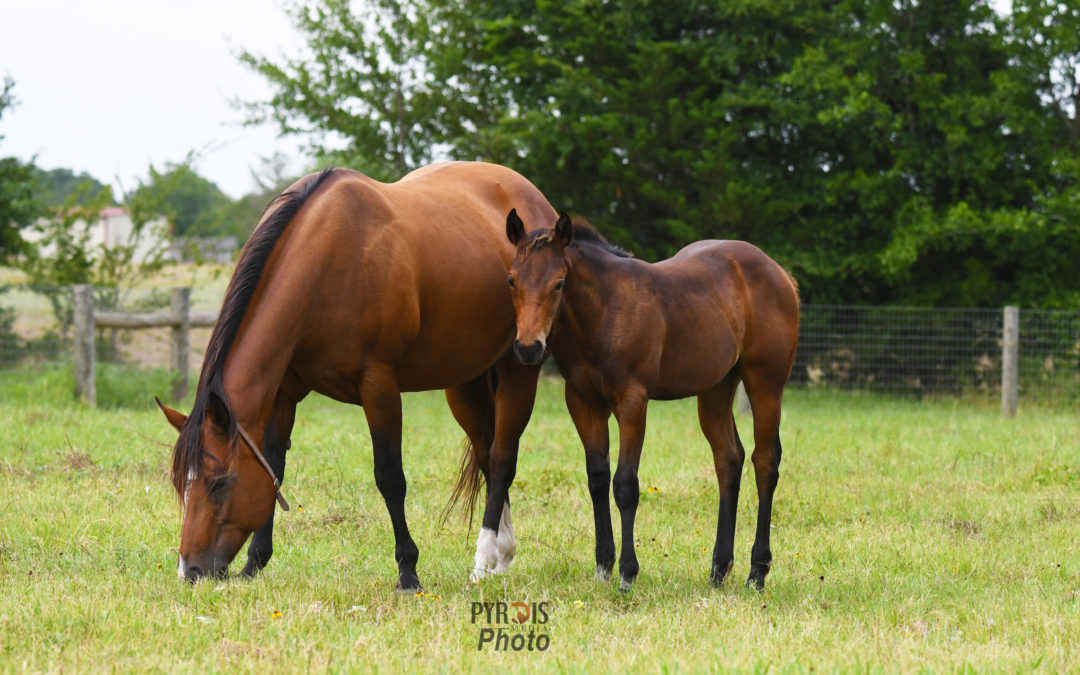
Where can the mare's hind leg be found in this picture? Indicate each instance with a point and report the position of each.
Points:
(473, 406)
(275, 444)
(765, 391)
(514, 396)
(382, 406)
(718, 425)
(591, 421)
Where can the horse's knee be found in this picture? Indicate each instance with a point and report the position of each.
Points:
(599, 482)
(625, 489)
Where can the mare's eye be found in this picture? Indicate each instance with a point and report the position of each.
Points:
(216, 486)
(560, 284)
(510, 280)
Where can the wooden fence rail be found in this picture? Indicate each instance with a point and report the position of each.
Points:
(179, 317)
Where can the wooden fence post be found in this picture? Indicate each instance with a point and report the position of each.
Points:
(181, 343)
(85, 389)
(1010, 353)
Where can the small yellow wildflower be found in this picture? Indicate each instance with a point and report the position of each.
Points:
(277, 614)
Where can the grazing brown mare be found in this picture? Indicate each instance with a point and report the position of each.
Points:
(358, 290)
(623, 331)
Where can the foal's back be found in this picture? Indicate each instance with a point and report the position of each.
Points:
(719, 302)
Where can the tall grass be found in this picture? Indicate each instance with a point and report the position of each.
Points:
(907, 535)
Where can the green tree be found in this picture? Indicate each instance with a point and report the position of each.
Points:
(884, 150)
(65, 254)
(361, 93)
(19, 205)
(192, 204)
(56, 185)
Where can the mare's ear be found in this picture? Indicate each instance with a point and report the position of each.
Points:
(175, 417)
(515, 229)
(564, 230)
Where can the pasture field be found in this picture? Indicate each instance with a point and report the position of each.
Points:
(907, 536)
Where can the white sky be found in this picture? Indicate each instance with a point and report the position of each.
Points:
(110, 86)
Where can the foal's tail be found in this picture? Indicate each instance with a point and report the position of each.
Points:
(474, 461)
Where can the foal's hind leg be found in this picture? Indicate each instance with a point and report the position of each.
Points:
(765, 393)
(718, 425)
(591, 420)
(381, 399)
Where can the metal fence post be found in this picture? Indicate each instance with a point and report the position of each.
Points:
(181, 344)
(1010, 352)
(85, 389)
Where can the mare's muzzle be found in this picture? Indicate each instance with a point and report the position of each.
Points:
(530, 354)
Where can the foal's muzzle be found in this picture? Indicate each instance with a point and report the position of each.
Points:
(530, 354)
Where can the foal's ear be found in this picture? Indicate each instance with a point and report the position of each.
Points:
(175, 417)
(564, 230)
(515, 229)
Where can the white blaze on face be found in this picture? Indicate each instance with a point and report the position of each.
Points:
(187, 491)
(187, 488)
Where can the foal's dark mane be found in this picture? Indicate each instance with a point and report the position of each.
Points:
(211, 391)
(584, 233)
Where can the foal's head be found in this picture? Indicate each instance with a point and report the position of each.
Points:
(537, 278)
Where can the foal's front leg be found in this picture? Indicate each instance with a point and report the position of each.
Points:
(630, 411)
(591, 420)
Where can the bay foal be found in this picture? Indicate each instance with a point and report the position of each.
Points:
(623, 331)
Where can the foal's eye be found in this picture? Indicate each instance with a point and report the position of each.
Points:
(560, 284)
(510, 280)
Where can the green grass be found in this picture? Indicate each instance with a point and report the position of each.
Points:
(907, 535)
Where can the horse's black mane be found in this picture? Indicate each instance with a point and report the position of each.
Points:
(210, 397)
(584, 233)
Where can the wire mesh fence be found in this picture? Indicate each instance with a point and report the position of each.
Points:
(905, 351)
(920, 352)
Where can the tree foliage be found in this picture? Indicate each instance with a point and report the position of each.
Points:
(19, 205)
(884, 150)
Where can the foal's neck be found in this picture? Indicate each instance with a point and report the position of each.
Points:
(596, 280)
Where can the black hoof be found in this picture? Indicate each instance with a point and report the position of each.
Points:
(756, 580)
(408, 585)
(720, 573)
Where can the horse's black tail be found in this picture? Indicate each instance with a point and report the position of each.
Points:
(474, 461)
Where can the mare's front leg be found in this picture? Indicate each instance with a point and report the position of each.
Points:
(381, 399)
(515, 393)
(591, 420)
(275, 444)
(630, 411)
